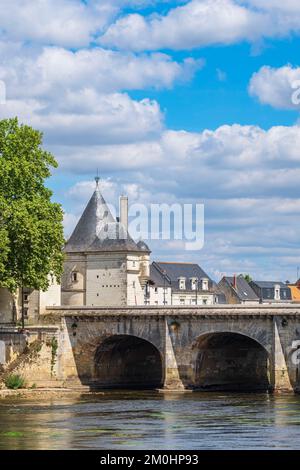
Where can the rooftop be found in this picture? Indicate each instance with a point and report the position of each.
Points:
(98, 231)
(241, 287)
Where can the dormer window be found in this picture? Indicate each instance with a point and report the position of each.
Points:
(277, 292)
(194, 283)
(181, 283)
(204, 283)
(74, 276)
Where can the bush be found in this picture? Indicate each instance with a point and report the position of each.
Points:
(14, 381)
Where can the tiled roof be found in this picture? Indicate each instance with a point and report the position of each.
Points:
(173, 271)
(97, 230)
(295, 292)
(243, 290)
(269, 284)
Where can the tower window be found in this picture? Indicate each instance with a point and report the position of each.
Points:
(74, 276)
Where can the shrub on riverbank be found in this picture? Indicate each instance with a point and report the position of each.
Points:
(15, 381)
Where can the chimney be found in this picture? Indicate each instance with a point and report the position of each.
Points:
(234, 281)
(124, 211)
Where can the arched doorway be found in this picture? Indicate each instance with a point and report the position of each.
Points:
(124, 361)
(231, 361)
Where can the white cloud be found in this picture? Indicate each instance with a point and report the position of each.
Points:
(277, 87)
(197, 23)
(104, 70)
(288, 6)
(231, 161)
(201, 23)
(69, 23)
(88, 118)
(82, 104)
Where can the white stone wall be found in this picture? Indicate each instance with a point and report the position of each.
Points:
(73, 292)
(135, 292)
(6, 306)
(157, 296)
(178, 298)
(106, 279)
(190, 298)
(52, 297)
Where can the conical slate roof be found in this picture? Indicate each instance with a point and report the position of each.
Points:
(97, 230)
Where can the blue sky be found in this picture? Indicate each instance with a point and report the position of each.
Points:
(173, 101)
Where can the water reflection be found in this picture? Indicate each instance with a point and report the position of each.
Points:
(152, 420)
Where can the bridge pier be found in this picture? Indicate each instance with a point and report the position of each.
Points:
(172, 379)
(280, 379)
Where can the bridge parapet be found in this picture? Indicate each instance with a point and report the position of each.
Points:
(291, 310)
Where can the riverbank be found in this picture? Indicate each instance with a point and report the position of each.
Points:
(38, 393)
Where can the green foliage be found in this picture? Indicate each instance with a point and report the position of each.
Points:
(54, 347)
(31, 233)
(14, 381)
(247, 277)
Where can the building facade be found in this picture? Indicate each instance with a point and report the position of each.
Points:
(103, 265)
(237, 290)
(179, 284)
(271, 291)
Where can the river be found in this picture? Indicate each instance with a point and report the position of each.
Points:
(152, 420)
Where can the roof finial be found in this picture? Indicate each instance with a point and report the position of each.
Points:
(97, 179)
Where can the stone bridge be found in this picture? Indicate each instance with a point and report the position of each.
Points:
(229, 347)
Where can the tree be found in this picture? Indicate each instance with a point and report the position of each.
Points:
(31, 231)
(247, 277)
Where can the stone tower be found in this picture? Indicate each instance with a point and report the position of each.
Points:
(103, 264)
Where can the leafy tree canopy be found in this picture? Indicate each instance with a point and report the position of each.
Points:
(247, 277)
(31, 231)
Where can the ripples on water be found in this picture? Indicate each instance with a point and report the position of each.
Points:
(152, 420)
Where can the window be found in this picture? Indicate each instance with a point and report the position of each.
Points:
(204, 301)
(277, 293)
(26, 297)
(133, 264)
(182, 302)
(194, 283)
(193, 302)
(155, 290)
(182, 283)
(74, 276)
(26, 312)
(204, 283)
(133, 284)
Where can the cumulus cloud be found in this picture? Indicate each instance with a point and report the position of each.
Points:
(241, 161)
(197, 23)
(62, 22)
(204, 22)
(104, 70)
(82, 103)
(69, 23)
(278, 87)
(88, 118)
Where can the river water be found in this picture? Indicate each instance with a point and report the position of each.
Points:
(152, 420)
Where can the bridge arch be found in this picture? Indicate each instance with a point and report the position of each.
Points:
(124, 361)
(229, 360)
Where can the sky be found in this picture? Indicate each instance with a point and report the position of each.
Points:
(173, 102)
